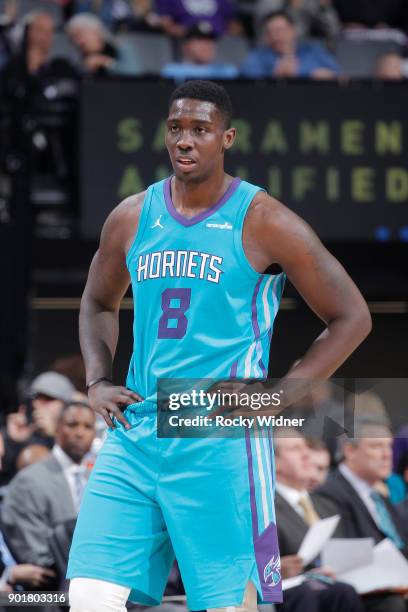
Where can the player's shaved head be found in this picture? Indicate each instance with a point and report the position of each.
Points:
(206, 91)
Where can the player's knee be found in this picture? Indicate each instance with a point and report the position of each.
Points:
(80, 597)
(249, 603)
(90, 595)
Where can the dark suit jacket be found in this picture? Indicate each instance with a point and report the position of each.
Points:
(291, 526)
(37, 500)
(357, 520)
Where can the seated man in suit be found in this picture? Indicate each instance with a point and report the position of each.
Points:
(296, 510)
(367, 459)
(48, 492)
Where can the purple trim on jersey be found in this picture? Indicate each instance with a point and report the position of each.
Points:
(266, 546)
(255, 325)
(254, 511)
(203, 215)
(268, 564)
(234, 368)
(271, 448)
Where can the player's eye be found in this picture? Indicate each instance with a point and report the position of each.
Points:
(200, 130)
(173, 128)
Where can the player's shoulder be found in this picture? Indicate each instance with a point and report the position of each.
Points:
(124, 217)
(128, 209)
(276, 226)
(266, 210)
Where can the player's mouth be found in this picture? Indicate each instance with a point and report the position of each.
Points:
(185, 162)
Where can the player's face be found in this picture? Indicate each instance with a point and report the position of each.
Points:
(196, 139)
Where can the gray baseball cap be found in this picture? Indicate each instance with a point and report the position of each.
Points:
(52, 384)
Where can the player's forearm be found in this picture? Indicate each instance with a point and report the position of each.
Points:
(98, 335)
(327, 353)
(334, 345)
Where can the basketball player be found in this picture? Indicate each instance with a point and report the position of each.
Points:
(195, 247)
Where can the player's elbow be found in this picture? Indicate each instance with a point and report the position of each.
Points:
(363, 322)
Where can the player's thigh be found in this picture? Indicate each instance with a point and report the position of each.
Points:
(120, 529)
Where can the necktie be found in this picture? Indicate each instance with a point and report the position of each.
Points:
(309, 513)
(384, 520)
(79, 480)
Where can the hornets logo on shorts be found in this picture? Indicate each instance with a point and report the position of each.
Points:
(272, 571)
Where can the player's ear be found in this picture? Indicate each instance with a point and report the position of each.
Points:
(229, 137)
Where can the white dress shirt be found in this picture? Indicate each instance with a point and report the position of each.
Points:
(72, 471)
(292, 496)
(361, 487)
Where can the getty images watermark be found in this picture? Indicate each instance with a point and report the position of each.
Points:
(210, 401)
(196, 408)
(227, 408)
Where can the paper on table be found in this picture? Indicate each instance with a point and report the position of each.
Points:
(289, 583)
(317, 536)
(342, 555)
(389, 569)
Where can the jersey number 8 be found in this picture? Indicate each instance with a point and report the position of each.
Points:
(172, 313)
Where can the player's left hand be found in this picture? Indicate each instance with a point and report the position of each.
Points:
(106, 399)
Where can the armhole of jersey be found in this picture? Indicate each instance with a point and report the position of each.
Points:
(142, 224)
(238, 238)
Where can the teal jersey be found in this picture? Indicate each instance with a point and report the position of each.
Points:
(200, 309)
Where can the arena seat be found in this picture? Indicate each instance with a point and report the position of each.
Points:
(27, 6)
(62, 47)
(358, 58)
(153, 50)
(232, 49)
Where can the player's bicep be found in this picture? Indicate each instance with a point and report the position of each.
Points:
(107, 282)
(108, 278)
(321, 280)
(317, 275)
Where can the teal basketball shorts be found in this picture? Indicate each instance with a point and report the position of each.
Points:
(207, 501)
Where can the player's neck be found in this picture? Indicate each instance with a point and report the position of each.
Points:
(190, 196)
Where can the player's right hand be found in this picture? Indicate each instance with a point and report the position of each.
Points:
(106, 399)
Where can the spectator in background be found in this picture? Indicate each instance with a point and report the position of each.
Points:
(177, 16)
(30, 455)
(311, 18)
(119, 14)
(199, 52)
(320, 463)
(367, 459)
(100, 52)
(32, 64)
(49, 492)
(391, 67)
(360, 14)
(296, 511)
(34, 36)
(46, 397)
(368, 406)
(35, 421)
(283, 57)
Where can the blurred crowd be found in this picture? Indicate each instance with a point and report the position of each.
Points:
(49, 444)
(215, 39)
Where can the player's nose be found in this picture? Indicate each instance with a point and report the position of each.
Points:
(185, 141)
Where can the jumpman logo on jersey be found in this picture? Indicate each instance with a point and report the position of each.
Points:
(157, 223)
